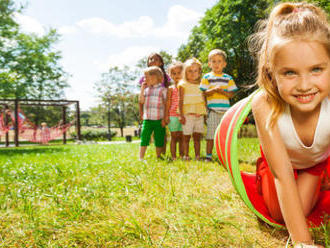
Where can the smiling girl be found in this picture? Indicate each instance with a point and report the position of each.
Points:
(292, 113)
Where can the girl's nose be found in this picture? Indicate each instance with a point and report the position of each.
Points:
(304, 84)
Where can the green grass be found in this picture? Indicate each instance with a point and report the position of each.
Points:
(102, 196)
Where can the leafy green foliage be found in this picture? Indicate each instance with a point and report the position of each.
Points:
(227, 26)
(95, 135)
(29, 65)
(117, 91)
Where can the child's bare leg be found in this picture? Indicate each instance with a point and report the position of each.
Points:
(173, 145)
(308, 187)
(209, 146)
(165, 142)
(180, 140)
(197, 144)
(174, 140)
(159, 151)
(142, 151)
(186, 139)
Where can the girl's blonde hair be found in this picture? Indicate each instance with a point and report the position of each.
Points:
(287, 22)
(189, 63)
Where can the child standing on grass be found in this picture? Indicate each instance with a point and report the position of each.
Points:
(155, 59)
(45, 133)
(191, 106)
(218, 88)
(172, 109)
(153, 98)
(292, 113)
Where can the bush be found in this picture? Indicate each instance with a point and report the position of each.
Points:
(96, 135)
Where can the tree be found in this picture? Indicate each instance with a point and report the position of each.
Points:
(29, 66)
(227, 25)
(117, 91)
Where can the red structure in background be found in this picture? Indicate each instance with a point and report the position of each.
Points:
(22, 126)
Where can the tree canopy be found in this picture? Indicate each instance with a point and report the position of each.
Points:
(117, 91)
(29, 64)
(226, 26)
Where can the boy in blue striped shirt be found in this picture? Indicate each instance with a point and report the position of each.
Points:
(218, 88)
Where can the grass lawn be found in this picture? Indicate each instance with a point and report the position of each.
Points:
(102, 196)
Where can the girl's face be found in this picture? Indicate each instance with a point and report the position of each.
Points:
(151, 79)
(193, 73)
(176, 74)
(302, 75)
(155, 61)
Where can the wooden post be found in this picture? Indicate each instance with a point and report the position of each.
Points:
(78, 127)
(109, 122)
(6, 124)
(64, 122)
(16, 123)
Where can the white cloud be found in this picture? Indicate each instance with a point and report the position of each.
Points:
(129, 56)
(67, 30)
(139, 27)
(29, 24)
(180, 21)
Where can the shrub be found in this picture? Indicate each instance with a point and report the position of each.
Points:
(95, 135)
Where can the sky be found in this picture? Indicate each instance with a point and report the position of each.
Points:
(99, 34)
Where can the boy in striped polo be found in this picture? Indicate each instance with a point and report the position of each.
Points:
(218, 88)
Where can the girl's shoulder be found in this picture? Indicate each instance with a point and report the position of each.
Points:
(182, 83)
(260, 105)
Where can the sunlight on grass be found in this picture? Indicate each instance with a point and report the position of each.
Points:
(102, 196)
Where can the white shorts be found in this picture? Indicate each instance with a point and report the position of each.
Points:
(194, 124)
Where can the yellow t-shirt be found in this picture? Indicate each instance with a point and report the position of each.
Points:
(193, 101)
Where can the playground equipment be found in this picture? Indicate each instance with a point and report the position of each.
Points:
(14, 118)
(245, 183)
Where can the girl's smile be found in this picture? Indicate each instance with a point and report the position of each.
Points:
(306, 98)
(302, 74)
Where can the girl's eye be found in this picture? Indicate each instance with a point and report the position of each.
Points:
(289, 73)
(316, 69)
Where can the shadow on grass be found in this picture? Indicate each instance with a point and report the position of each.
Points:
(279, 233)
(13, 151)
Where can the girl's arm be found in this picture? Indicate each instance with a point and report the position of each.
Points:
(141, 100)
(168, 104)
(164, 109)
(181, 98)
(141, 97)
(280, 165)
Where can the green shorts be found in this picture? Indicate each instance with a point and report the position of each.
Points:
(149, 126)
(175, 124)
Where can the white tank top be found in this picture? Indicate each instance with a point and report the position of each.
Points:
(306, 156)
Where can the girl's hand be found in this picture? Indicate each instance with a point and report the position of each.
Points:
(163, 123)
(167, 120)
(182, 120)
(144, 85)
